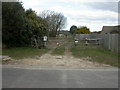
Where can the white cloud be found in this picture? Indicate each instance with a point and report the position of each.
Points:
(31, 3)
(77, 12)
(8, 1)
(88, 17)
(77, 1)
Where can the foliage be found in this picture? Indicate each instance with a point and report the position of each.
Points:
(55, 21)
(83, 30)
(23, 52)
(59, 50)
(21, 27)
(13, 24)
(73, 29)
(35, 26)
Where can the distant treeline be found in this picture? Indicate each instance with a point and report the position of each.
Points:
(20, 26)
(79, 30)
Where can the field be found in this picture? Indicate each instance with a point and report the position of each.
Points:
(23, 52)
(59, 50)
(92, 53)
(95, 54)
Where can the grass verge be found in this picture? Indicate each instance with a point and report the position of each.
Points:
(96, 53)
(59, 50)
(23, 52)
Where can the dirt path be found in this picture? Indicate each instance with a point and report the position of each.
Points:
(66, 60)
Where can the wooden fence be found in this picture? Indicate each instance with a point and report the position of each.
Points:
(108, 41)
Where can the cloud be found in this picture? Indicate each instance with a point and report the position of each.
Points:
(8, 1)
(96, 15)
(80, 1)
(31, 3)
(110, 6)
(88, 16)
(80, 12)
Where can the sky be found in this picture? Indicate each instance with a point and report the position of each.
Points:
(91, 13)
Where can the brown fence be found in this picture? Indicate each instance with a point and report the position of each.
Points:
(108, 41)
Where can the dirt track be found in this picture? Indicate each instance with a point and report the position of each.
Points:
(66, 60)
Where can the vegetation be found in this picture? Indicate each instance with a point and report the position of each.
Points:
(73, 29)
(59, 50)
(97, 54)
(36, 28)
(79, 30)
(55, 21)
(83, 30)
(23, 52)
(21, 28)
(13, 24)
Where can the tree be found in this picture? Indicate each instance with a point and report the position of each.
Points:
(13, 24)
(36, 26)
(20, 26)
(55, 21)
(83, 30)
(73, 29)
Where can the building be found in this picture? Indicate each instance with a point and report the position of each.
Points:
(110, 29)
(64, 32)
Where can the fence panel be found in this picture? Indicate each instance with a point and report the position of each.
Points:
(108, 41)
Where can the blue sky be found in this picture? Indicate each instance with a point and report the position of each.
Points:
(91, 13)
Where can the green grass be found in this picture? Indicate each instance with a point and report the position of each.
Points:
(96, 53)
(23, 52)
(59, 50)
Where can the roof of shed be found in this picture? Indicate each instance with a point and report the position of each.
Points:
(109, 29)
